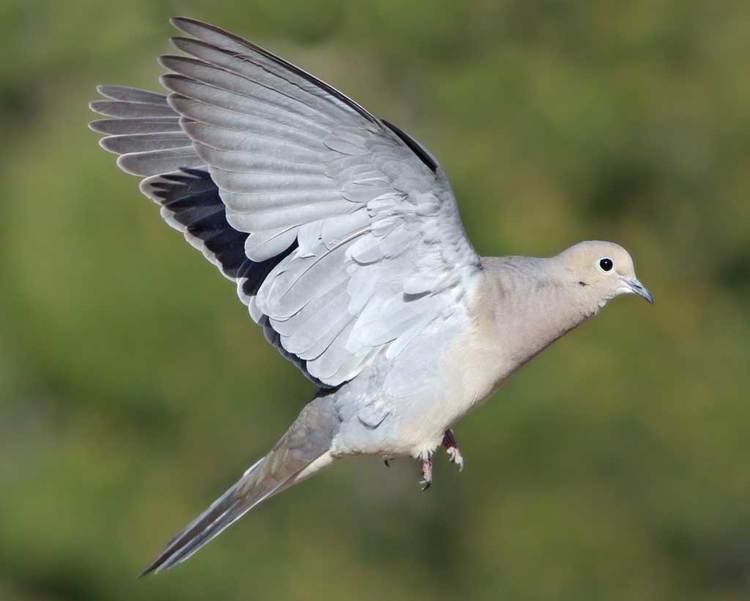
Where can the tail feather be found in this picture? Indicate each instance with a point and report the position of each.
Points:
(255, 486)
(221, 514)
(300, 453)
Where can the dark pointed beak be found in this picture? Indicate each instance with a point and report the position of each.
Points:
(637, 288)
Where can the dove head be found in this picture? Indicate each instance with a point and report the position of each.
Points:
(603, 270)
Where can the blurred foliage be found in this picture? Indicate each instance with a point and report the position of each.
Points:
(133, 388)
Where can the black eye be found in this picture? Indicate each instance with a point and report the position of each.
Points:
(606, 264)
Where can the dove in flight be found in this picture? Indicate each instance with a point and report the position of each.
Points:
(342, 236)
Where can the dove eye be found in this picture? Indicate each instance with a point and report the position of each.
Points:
(606, 264)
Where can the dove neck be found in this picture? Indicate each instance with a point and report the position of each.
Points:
(533, 305)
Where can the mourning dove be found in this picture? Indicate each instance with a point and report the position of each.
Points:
(343, 237)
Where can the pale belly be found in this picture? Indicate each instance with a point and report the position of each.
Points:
(461, 388)
(415, 404)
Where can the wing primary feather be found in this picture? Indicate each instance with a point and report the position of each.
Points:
(146, 125)
(128, 94)
(194, 28)
(125, 109)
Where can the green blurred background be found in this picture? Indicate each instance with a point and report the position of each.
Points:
(134, 389)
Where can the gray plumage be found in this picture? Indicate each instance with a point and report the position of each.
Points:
(343, 238)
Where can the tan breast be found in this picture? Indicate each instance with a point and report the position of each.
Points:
(476, 363)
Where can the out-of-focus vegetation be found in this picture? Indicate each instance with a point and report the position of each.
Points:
(133, 388)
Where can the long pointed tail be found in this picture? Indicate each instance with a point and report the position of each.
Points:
(300, 453)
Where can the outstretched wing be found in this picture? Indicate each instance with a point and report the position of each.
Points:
(340, 230)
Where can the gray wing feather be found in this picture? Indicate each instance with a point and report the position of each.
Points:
(155, 125)
(128, 94)
(380, 252)
(124, 109)
(145, 131)
(285, 71)
(145, 142)
(158, 161)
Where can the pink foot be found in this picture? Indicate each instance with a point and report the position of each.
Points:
(425, 464)
(451, 447)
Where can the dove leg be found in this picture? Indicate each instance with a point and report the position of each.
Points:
(425, 464)
(451, 447)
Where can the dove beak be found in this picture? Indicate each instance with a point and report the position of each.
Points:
(637, 288)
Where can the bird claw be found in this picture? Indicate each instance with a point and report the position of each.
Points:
(425, 459)
(451, 447)
(454, 456)
(425, 464)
